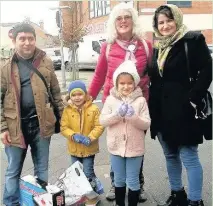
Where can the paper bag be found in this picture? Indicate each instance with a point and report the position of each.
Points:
(50, 199)
(75, 185)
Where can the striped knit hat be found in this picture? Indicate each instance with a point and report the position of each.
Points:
(77, 85)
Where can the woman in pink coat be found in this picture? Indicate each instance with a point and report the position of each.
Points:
(126, 116)
(124, 42)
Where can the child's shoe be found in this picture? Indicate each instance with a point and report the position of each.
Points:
(92, 202)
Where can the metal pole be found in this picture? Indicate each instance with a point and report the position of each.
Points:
(77, 68)
(73, 64)
(62, 53)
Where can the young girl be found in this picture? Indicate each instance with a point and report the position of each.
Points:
(126, 116)
(80, 125)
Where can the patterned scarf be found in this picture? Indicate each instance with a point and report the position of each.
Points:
(164, 44)
(129, 54)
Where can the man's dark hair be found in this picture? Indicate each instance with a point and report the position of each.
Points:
(162, 10)
(23, 27)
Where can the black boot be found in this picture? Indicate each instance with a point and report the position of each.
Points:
(133, 198)
(120, 193)
(196, 203)
(182, 198)
(142, 195)
(177, 198)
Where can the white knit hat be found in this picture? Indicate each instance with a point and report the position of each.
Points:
(127, 67)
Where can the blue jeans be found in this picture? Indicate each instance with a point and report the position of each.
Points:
(141, 177)
(126, 171)
(16, 156)
(88, 165)
(189, 156)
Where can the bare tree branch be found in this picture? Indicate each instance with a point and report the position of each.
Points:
(74, 22)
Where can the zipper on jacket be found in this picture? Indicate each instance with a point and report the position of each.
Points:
(80, 113)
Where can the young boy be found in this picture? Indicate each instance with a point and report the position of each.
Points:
(80, 125)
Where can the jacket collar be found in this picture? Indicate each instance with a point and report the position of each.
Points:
(133, 96)
(68, 102)
(191, 35)
(37, 57)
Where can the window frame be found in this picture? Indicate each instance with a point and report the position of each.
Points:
(181, 4)
(98, 8)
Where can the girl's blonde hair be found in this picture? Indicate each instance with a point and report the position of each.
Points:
(116, 11)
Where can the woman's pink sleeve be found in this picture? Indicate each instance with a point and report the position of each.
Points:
(100, 73)
(150, 52)
(145, 80)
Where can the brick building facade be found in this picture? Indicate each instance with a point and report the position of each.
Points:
(94, 14)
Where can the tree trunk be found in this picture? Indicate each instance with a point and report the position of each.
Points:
(74, 74)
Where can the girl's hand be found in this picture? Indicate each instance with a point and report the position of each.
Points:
(130, 111)
(122, 110)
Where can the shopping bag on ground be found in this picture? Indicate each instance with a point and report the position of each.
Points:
(75, 185)
(54, 197)
(28, 191)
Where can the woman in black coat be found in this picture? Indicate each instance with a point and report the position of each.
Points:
(173, 100)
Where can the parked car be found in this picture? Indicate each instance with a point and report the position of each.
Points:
(88, 53)
(55, 55)
(89, 50)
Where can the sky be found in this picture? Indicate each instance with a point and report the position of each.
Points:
(16, 11)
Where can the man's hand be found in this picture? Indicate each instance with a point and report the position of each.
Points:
(5, 138)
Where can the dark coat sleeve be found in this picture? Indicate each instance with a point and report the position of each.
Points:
(202, 61)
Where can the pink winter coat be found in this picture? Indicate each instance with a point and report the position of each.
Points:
(125, 135)
(106, 67)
